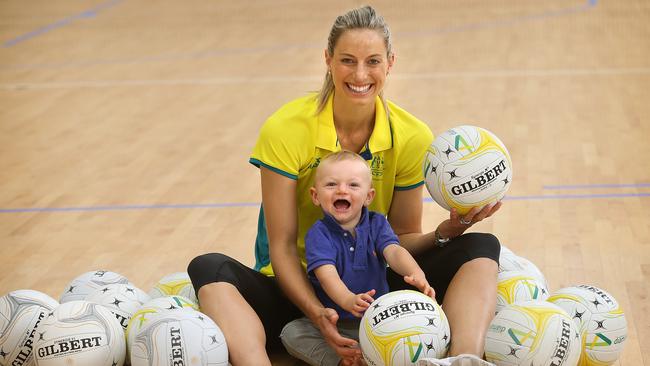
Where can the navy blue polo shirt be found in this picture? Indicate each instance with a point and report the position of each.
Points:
(359, 261)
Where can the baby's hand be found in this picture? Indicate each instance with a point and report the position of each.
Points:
(421, 283)
(357, 304)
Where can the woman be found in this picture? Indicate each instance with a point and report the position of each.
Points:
(349, 113)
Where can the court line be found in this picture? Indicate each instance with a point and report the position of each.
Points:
(318, 78)
(597, 186)
(496, 23)
(525, 73)
(256, 204)
(574, 196)
(159, 82)
(128, 207)
(90, 13)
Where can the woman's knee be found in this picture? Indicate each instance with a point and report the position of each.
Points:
(484, 245)
(204, 262)
(210, 268)
(492, 244)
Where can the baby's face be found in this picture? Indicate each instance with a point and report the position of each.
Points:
(342, 188)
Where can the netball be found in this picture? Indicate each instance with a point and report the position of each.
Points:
(178, 283)
(532, 333)
(21, 311)
(402, 327)
(181, 337)
(600, 320)
(467, 166)
(83, 285)
(121, 299)
(516, 286)
(80, 333)
(153, 308)
(509, 261)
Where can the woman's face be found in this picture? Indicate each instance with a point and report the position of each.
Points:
(359, 65)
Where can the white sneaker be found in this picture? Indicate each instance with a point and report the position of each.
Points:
(433, 362)
(460, 360)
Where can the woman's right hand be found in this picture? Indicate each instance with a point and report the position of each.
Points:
(346, 348)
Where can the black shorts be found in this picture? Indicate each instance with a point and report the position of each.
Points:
(441, 264)
(261, 292)
(275, 309)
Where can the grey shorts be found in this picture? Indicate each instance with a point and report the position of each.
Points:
(303, 340)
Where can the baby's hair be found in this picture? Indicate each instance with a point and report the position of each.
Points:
(345, 155)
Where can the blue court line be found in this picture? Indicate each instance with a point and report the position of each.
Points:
(505, 22)
(257, 204)
(574, 196)
(90, 13)
(595, 186)
(566, 196)
(584, 6)
(128, 207)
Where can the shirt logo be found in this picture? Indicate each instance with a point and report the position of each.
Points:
(377, 167)
(315, 163)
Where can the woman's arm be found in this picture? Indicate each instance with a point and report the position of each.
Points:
(280, 213)
(405, 217)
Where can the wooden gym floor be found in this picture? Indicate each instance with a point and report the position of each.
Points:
(126, 125)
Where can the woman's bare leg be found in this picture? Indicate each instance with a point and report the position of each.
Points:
(239, 323)
(469, 304)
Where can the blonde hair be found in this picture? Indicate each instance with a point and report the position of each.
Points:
(360, 18)
(344, 155)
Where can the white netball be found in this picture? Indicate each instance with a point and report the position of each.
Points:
(178, 283)
(181, 337)
(21, 311)
(151, 309)
(509, 261)
(532, 333)
(84, 284)
(514, 286)
(401, 327)
(79, 333)
(506, 250)
(600, 320)
(121, 299)
(467, 166)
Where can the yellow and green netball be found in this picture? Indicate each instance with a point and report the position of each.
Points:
(402, 327)
(532, 333)
(467, 166)
(600, 320)
(516, 286)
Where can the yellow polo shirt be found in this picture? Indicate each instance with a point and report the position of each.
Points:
(294, 139)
